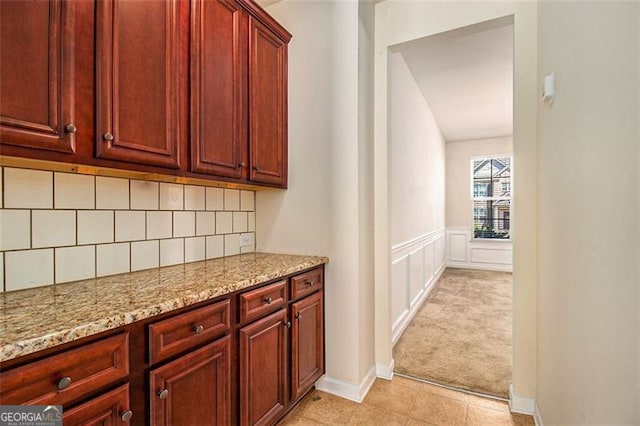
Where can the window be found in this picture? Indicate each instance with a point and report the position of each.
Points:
(491, 183)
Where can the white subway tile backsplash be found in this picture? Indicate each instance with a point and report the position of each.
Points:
(194, 197)
(112, 193)
(95, 226)
(57, 227)
(171, 252)
(251, 218)
(231, 199)
(205, 223)
(215, 246)
(194, 249)
(159, 225)
(247, 201)
(15, 229)
(224, 222)
(75, 263)
(29, 189)
(28, 269)
(53, 228)
(130, 225)
(215, 199)
(184, 224)
(171, 196)
(73, 191)
(239, 221)
(145, 255)
(231, 244)
(144, 195)
(112, 259)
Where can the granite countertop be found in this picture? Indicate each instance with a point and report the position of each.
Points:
(36, 319)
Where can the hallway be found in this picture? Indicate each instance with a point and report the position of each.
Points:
(461, 336)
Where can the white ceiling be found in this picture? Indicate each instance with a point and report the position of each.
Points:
(467, 79)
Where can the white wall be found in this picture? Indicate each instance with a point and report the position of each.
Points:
(417, 175)
(588, 212)
(461, 250)
(416, 149)
(400, 21)
(458, 187)
(326, 209)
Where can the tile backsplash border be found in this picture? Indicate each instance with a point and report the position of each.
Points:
(58, 227)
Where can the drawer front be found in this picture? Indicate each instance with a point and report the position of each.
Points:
(185, 331)
(306, 283)
(68, 376)
(111, 408)
(256, 303)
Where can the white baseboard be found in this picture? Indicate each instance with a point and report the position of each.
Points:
(403, 322)
(385, 371)
(537, 416)
(521, 404)
(482, 266)
(348, 390)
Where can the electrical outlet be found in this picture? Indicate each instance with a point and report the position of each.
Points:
(246, 239)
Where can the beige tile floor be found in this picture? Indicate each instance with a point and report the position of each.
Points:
(403, 401)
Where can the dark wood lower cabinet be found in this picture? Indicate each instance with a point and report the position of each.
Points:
(263, 374)
(111, 408)
(307, 344)
(194, 389)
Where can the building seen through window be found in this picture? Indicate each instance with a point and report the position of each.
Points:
(491, 183)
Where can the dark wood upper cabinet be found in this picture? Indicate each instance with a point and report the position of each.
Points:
(138, 81)
(219, 88)
(194, 389)
(268, 105)
(36, 79)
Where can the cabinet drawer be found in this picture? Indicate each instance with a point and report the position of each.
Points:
(306, 283)
(68, 376)
(182, 332)
(256, 303)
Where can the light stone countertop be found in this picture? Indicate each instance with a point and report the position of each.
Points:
(39, 318)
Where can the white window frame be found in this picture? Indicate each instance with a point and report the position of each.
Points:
(480, 198)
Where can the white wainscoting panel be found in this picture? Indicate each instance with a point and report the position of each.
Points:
(416, 265)
(465, 252)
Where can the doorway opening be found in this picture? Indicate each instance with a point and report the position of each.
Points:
(450, 119)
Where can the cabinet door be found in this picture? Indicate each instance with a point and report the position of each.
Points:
(194, 389)
(307, 344)
(137, 81)
(268, 105)
(263, 369)
(111, 408)
(36, 79)
(218, 88)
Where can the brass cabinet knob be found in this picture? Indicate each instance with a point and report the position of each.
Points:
(163, 394)
(242, 165)
(125, 416)
(70, 128)
(308, 283)
(108, 137)
(63, 383)
(256, 168)
(198, 329)
(268, 300)
(299, 316)
(287, 324)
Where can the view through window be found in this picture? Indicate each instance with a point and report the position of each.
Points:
(491, 180)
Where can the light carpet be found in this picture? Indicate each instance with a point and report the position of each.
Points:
(461, 336)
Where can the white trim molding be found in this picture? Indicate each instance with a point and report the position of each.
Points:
(537, 416)
(384, 371)
(351, 391)
(521, 404)
(416, 265)
(462, 251)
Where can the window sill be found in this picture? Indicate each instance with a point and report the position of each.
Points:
(491, 240)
